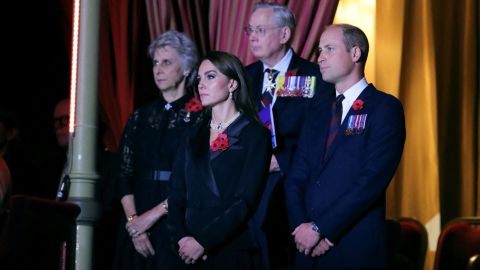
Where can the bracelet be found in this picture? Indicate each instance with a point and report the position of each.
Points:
(131, 217)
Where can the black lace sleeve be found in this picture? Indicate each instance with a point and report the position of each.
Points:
(126, 150)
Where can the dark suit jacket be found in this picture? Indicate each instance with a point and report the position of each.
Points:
(288, 112)
(344, 192)
(213, 194)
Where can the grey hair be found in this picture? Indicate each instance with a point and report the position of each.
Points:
(282, 16)
(186, 49)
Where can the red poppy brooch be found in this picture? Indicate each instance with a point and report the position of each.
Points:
(220, 143)
(357, 104)
(193, 105)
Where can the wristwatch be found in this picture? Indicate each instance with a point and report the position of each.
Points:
(315, 228)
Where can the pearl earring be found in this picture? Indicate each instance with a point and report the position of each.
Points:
(230, 95)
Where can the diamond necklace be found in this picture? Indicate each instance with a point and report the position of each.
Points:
(221, 126)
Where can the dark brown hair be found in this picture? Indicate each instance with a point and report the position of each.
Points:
(230, 66)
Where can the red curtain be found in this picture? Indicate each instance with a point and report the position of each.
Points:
(312, 16)
(119, 32)
(212, 24)
(218, 24)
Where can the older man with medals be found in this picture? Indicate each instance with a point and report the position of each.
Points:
(284, 85)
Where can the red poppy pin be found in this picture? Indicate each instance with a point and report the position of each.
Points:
(357, 104)
(292, 72)
(193, 105)
(220, 143)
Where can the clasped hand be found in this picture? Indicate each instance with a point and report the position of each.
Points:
(143, 245)
(308, 241)
(190, 250)
(140, 224)
(137, 229)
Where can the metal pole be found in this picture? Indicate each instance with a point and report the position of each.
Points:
(83, 176)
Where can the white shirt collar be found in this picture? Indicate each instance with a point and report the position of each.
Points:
(282, 66)
(351, 94)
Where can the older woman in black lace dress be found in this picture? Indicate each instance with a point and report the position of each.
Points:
(147, 151)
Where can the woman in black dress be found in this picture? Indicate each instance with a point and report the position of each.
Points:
(219, 174)
(147, 151)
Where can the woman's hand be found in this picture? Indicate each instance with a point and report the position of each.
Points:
(142, 223)
(143, 245)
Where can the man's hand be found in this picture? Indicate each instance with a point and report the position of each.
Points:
(305, 238)
(322, 247)
(190, 250)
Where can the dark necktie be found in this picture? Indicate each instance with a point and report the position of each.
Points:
(267, 96)
(334, 121)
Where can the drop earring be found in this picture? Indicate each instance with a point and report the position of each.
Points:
(230, 95)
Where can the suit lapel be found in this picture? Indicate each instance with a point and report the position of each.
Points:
(293, 66)
(324, 122)
(280, 102)
(257, 83)
(341, 132)
(233, 133)
(200, 148)
(202, 156)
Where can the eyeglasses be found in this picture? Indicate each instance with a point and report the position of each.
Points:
(259, 30)
(60, 121)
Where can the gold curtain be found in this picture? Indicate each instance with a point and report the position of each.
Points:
(427, 55)
(456, 40)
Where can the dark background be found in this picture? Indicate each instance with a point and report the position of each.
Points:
(36, 69)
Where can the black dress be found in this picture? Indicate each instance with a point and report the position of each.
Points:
(147, 151)
(215, 192)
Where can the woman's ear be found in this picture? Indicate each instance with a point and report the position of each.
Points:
(232, 85)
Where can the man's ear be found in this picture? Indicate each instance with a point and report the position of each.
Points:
(286, 33)
(356, 53)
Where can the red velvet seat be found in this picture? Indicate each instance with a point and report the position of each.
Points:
(458, 242)
(36, 231)
(413, 243)
(393, 240)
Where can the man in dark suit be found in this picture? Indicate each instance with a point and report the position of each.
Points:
(348, 152)
(270, 30)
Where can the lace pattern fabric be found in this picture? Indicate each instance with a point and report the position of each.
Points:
(150, 140)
